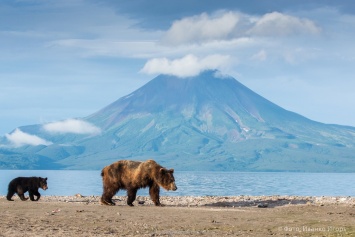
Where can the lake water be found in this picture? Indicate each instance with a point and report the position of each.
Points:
(71, 182)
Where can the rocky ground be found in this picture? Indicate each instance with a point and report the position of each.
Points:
(182, 216)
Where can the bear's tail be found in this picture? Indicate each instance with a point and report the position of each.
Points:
(102, 173)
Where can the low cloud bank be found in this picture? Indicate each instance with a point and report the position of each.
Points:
(74, 126)
(19, 138)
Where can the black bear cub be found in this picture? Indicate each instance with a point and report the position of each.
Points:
(21, 185)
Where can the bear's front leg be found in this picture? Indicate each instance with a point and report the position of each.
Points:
(31, 195)
(154, 194)
(34, 193)
(38, 196)
(131, 193)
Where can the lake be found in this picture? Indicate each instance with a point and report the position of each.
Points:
(189, 183)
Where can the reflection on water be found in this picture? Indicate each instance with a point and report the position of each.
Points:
(71, 182)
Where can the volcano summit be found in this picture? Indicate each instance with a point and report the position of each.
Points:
(206, 122)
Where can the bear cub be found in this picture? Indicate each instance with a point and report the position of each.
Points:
(133, 175)
(21, 185)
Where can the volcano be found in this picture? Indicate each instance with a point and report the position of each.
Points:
(206, 122)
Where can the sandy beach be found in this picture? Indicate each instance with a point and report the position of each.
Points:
(181, 216)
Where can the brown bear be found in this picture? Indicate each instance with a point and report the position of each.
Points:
(133, 175)
(21, 185)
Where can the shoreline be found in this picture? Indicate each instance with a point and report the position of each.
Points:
(208, 201)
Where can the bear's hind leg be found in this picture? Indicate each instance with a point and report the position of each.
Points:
(10, 193)
(22, 197)
(131, 193)
(107, 201)
(107, 195)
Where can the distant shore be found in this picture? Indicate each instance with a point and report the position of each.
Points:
(79, 215)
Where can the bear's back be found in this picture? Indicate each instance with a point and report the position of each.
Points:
(25, 182)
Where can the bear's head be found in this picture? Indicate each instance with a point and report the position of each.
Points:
(166, 179)
(43, 183)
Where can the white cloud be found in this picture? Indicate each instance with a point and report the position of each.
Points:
(232, 25)
(75, 126)
(19, 138)
(278, 24)
(201, 28)
(189, 65)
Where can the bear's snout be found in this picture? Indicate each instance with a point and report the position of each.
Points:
(173, 187)
(44, 187)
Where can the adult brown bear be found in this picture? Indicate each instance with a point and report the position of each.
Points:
(133, 175)
(21, 185)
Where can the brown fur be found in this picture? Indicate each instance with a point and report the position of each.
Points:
(133, 175)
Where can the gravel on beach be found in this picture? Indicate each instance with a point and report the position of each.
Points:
(213, 201)
(79, 215)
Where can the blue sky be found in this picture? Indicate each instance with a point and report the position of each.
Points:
(69, 58)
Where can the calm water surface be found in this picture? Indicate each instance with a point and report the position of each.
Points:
(71, 182)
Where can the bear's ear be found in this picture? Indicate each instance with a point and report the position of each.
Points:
(171, 170)
(45, 178)
(162, 170)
